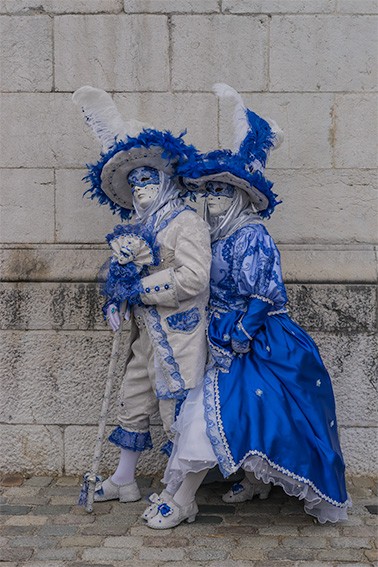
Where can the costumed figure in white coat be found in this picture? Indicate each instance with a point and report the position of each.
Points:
(266, 403)
(160, 266)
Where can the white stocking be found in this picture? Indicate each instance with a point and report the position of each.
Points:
(187, 491)
(125, 472)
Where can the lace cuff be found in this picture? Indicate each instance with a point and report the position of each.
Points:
(132, 440)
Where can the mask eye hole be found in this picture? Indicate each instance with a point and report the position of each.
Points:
(145, 179)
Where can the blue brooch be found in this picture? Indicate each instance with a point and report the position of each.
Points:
(165, 510)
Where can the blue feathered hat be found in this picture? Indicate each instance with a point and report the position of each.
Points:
(244, 165)
(126, 145)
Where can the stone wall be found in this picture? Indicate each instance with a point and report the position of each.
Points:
(310, 65)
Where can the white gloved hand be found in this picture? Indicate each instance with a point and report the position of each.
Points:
(112, 317)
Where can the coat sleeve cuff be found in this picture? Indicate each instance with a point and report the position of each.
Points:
(160, 289)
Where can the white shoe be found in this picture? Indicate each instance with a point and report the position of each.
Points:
(109, 490)
(155, 500)
(171, 515)
(245, 490)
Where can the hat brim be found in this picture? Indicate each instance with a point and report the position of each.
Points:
(259, 200)
(115, 172)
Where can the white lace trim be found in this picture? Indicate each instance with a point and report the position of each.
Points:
(244, 331)
(278, 312)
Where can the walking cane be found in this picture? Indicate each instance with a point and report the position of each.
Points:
(90, 478)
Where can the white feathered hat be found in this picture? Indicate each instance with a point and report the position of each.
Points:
(125, 146)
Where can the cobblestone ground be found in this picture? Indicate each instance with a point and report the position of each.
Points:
(41, 526)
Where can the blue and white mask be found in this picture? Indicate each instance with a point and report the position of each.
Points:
(219, 197)
(145, 184)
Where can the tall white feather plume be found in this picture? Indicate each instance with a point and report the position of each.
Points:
(278, 133)
(241, 126)
(103, 117)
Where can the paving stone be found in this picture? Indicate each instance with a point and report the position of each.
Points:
(351, 543)
(58, 530)
(143, 530)
(206, 554)
(341, 554)
(260, 542)
(161, 554)
(51, 510)
(106, 554)
(126, 541)
(18, 530)
(36, 541)
(16, 554)
(11, 480)
(68, 481)
(55, 554)
(27, 520)
(249, 553)
(44, 564)
(209, 509)
(81, 541)
(305, 542)
(208, 519)
(14, 510)
(67, 519)
(40, 481)
(293, 554)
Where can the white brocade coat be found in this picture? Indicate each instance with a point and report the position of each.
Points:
(176, 295)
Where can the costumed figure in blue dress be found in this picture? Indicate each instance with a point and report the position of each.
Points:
(160, 267)
(266, 404)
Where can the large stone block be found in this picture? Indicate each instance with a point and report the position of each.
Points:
(32, 7)
(78, 218)
(31, 449)
(112, 52)
(325, 53)
(334, 308)
(360, 7)
(79, 446)
(205, 49)
(27, 205)
(351, 362)
(26, 62)
(278, 6)
(175, 112)
(324, 206)
(360, 449)
(46, 306)
(337, 263)
(79, 263)
(356, 130)
(47, 130)
(305, 120)
(56, 377)
(171, 6)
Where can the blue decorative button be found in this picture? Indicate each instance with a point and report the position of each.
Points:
(166, 286)
(147, 290)
(157, 288)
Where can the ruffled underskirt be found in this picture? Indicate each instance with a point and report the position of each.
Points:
(193, 452)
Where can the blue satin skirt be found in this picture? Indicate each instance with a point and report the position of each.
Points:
(277, 401)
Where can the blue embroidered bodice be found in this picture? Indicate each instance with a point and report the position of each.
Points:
(246, 264)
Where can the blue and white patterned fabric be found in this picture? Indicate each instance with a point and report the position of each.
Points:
(276, 402)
